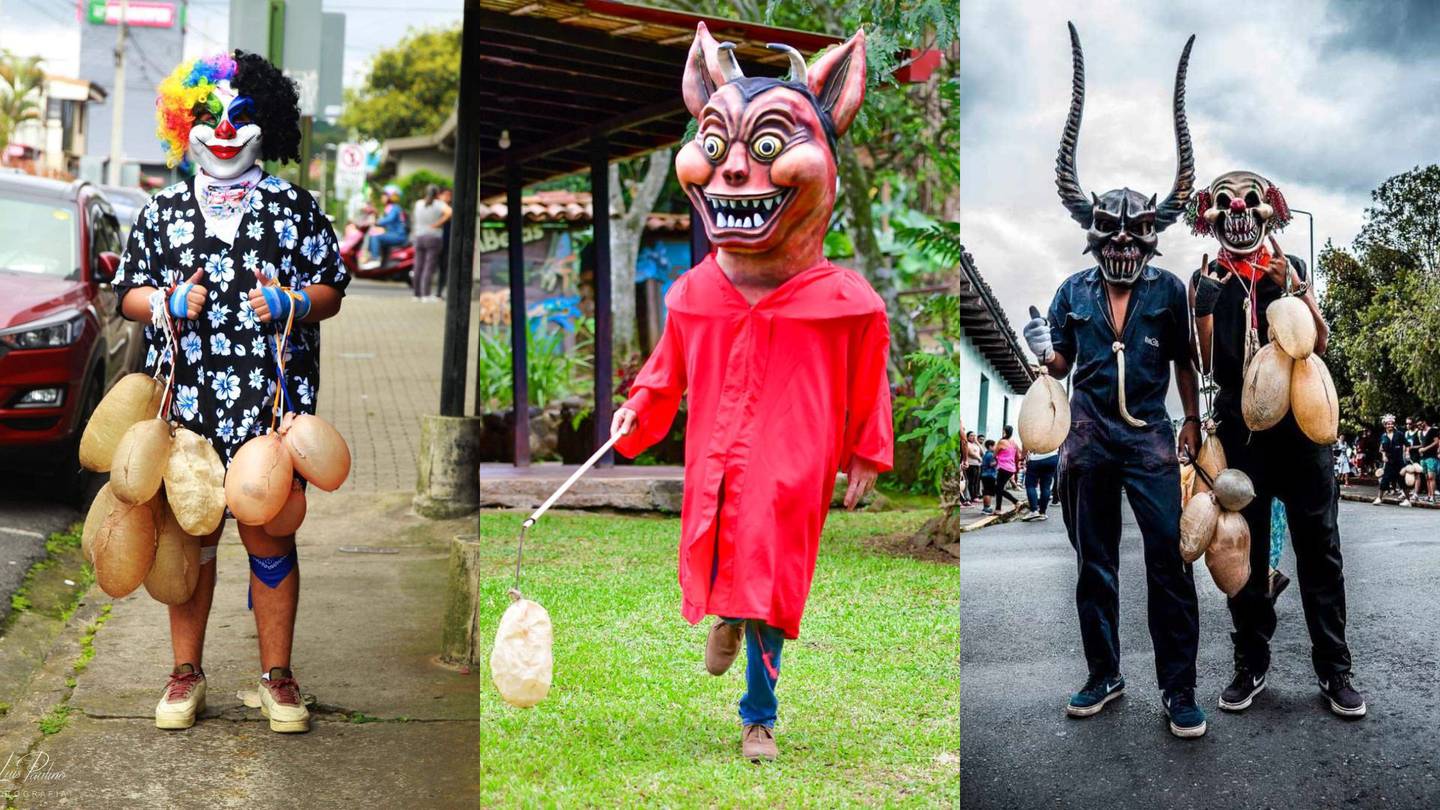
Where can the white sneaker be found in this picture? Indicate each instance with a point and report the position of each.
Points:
(1377, 501)
(183, 699)
(280, 701)
(1404, 501)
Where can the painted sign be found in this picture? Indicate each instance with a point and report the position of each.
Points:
(139, 13)
(350, 168)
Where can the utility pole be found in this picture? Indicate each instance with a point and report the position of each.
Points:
(117, 115)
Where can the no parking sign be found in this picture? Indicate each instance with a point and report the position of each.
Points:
(349, 169)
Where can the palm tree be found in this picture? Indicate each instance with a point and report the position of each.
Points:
(20, 82)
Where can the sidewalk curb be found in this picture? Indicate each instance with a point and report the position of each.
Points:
(1389, 500)
(48, 687)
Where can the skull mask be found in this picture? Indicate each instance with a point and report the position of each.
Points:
(1239, 209)
(1122, 226)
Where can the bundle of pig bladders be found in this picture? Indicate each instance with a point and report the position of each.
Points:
(168, 487)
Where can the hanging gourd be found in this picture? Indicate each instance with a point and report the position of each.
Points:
(135, 397)
(140, 459)
(1044, 415)
(521, 662)
(1234, 490)
(258, 480)
(124, 546)
(1265, 396)
(176, 569)
(318, 451)
(100, 509)
(1228, 556)
(1197, 525)
(1292, 326)
(195, 483)
(291, 515)
(1314, 400)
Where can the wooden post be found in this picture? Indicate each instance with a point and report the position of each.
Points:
(458, 644)
(604, 335)
(519, 324)
(462, 232)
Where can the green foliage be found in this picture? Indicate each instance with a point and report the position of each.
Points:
(54, 722)
(413, 186)
(1382, 301)
(19, 602)
(641, 725)
(21, 79)
(552, 372)
(411, 88)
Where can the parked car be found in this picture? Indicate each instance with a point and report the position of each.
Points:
(127, 202)
(63, 342)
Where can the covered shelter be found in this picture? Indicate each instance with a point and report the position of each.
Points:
(562, 87)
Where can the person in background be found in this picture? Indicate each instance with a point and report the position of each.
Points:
(1412, 442)
(1344, 460)
(973, 457)
(963, 483)
(430, 217)
(446, 196)
(1007, 456)
(1040, 469)
(389, 230)
(1429, 459)
(1392, 458)
(988, 471)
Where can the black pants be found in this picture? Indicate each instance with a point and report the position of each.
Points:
(1002, 488)
(1096, 461)
(972, 477)
(1284, 464)
(1390, 477)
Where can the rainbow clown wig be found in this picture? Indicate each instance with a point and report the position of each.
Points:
(277, 104)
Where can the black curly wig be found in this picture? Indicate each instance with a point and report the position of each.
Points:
(277, 106)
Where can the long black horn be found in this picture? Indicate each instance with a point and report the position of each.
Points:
(1174, 204)
(1067, 182)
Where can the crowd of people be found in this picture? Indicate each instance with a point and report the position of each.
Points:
(1405, 462)
(993, 468)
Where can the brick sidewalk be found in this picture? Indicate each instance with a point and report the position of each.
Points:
(379, 373)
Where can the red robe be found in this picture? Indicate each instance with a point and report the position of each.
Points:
(781, 396)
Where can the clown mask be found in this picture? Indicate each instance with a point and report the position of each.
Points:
(761, 168)
(1239, 209)
(225, 140)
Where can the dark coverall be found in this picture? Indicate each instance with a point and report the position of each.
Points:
(1283, 463)
(1104, 453)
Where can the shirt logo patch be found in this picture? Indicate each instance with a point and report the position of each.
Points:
(1153, 342)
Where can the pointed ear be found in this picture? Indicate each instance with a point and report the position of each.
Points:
(703, 75)
(838, 80)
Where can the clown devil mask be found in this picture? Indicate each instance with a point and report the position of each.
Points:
(225, 140)
(1122, 226)
(227, 112)
(1239, 209)
(761, 169)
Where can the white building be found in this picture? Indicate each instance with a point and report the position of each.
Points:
(995, 372)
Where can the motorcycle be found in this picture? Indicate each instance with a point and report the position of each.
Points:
(399, 261)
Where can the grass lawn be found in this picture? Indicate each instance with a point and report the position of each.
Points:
(869, 694)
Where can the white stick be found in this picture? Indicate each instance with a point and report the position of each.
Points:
(575, 476)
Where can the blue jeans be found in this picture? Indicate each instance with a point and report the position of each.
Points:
(1039, 479)
(762, 670)
(389, 239)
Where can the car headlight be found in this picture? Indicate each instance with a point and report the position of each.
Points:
(59, 330)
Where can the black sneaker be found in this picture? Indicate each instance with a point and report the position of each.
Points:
(1278, 583)
(1242, 690)
(1097, 692)
(1186, 719)
(1344, 700)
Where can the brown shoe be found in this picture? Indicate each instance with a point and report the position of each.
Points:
(722, 645)
(758, 742)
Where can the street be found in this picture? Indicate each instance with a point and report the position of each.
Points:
(1021, 659)
(28, 515)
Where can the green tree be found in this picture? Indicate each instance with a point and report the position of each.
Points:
(1382, 301)
(20, 82)
(411, 88)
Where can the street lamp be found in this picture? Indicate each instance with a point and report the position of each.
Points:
(1314, 271)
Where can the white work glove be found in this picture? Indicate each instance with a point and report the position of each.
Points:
(1037, 336)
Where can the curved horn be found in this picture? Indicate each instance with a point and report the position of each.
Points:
(1067, 182)
(1174, 204)
(797, 61)
(729, 65)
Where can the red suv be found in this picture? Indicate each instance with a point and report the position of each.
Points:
(63, 342)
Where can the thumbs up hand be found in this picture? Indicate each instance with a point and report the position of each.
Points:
(187, 300)
(1037, 336)
(273, 303)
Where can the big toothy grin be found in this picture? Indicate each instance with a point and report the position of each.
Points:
(1122, 262)
(1241, 230)
(744, 213)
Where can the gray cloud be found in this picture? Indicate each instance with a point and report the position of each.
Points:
(1326, 97)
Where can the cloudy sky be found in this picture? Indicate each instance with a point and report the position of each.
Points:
(50, 28)
(1327, 98)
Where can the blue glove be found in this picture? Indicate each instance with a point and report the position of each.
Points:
(279, 302)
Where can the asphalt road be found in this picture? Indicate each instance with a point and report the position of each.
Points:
(1021, 658)
(30, 512)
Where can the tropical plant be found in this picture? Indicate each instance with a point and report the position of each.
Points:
(20, 82)
(413, 185)
(551, 371)
(410, 88)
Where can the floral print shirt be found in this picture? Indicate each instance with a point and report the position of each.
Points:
(225, 377)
